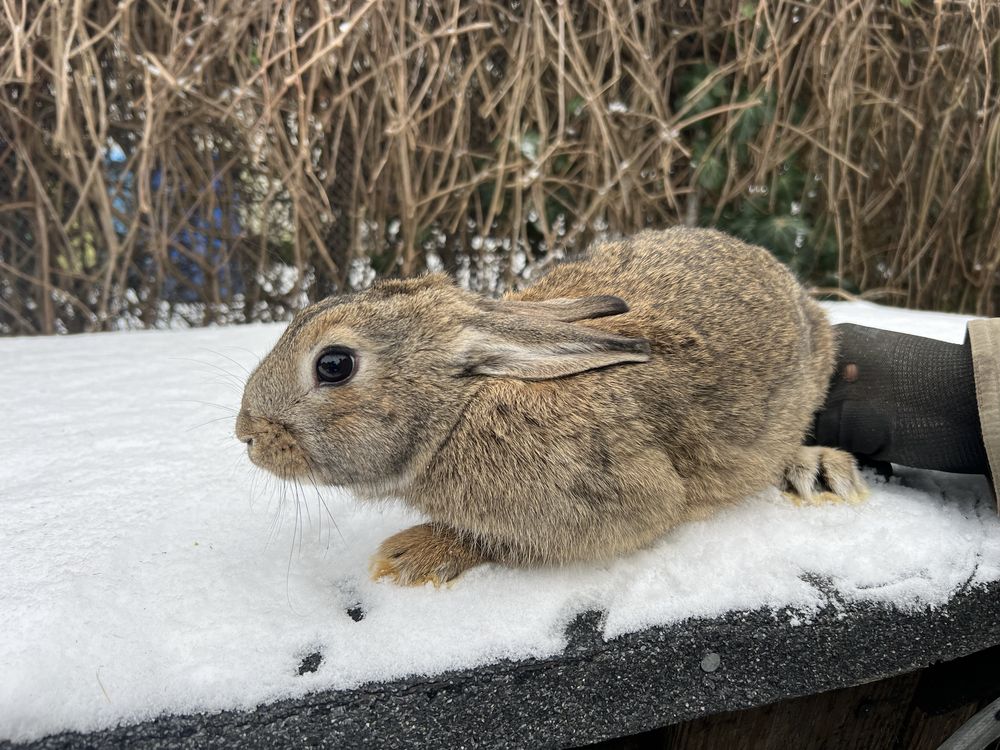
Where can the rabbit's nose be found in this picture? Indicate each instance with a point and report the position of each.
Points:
(244, 427)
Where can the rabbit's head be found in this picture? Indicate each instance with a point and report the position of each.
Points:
(361, 388)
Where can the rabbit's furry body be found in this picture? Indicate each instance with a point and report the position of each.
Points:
(555, 425)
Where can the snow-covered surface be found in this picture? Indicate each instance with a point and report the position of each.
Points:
(146, 571)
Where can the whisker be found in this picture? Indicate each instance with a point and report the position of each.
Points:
(232, 471)
(291, 551)
(205, 403)
(319, 494)
(228, 384)
(319, 525)
(226, 356)
(277, 522)
(269, 488)
(254, 477)
(220, 369)
(211, 421)
(326, 507)
(255, 355)
(305, 500)
(298, 515)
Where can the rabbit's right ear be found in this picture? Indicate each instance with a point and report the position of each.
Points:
(538, 348)
(564, 309)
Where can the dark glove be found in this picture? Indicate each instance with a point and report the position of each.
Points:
(903, 399)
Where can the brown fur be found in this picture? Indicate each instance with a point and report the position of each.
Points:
(560, 423)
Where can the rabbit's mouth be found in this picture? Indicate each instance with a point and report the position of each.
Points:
(272, 446)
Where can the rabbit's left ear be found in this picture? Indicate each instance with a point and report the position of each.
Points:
(536, 347)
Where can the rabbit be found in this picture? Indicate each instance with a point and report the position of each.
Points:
(653, 382)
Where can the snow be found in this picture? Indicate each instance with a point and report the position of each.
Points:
(148, 569)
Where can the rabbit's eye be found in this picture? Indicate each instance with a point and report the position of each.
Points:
(335, 366)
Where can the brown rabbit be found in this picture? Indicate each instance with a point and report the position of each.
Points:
(655, 381)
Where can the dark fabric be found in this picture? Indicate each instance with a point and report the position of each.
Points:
(908, 400)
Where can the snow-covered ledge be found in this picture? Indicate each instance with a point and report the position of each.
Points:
(148, 577)
(596, 689)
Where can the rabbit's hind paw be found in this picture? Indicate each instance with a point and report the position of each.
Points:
(421, 554)
(823, 475)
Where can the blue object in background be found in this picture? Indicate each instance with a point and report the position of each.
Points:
(204, 236)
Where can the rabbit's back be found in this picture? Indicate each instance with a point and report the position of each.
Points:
(736, 298)
(741, 354)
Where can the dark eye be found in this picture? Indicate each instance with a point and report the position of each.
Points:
(335, 366)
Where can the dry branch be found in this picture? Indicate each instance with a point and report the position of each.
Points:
(167, 159)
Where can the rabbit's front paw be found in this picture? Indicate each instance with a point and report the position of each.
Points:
(819, 474)
(423, 553)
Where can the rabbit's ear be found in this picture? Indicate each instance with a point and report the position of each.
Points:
(563, 308)
(515, 346)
